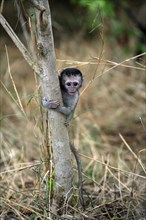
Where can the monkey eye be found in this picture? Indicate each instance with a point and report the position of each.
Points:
(72, 84)
(68, 84)
(75, 84)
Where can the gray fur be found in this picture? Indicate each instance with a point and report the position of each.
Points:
(70, 96)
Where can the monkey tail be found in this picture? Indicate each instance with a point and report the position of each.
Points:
(80, 180)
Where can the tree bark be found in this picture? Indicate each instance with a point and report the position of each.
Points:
(58, 133)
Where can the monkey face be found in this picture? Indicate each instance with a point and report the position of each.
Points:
(71, 80)
(72, 86)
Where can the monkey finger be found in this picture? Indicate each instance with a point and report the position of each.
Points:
(44, 99)
(56, 102)
(44, 102)
(53, 104)
(66, 123)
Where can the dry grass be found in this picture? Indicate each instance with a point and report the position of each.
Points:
(108, 129)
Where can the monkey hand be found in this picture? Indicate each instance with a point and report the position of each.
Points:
(67, 120)
(51, 104)
(66, 123)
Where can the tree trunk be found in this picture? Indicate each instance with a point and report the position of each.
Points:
(58, 134)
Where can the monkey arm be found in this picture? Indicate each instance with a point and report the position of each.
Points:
(51, 104)
(55, 104)
(64, 110)
(68, 112)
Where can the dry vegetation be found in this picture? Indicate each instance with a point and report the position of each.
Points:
(108, 130)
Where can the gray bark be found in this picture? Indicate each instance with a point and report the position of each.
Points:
(59, 139)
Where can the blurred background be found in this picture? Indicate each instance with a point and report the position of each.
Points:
(104, 39)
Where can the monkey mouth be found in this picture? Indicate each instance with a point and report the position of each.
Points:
(72, 93)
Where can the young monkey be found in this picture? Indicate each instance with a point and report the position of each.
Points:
(71, 80)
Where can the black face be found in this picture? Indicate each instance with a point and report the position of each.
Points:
(71, 80)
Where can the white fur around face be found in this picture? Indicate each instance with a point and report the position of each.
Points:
(72, 78)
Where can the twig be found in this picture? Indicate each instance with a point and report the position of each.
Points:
(144, 128)
(13, 98)
(8, 202)
(19, 169)
(81, 213)
(1, 6)
(19, 44)
(102, 62)
(14, 86)
(119, 64)
(112, 167)
(23, 18)
(136, 157)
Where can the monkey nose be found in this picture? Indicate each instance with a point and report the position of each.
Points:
(72, 89)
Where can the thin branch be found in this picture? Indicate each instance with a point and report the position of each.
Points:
(23, 20)
(136, 157)
(102, 62)
(18, 43)
(20, 168)
(14, 86)
(112, 167)
(142, 123)
(1, 6)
